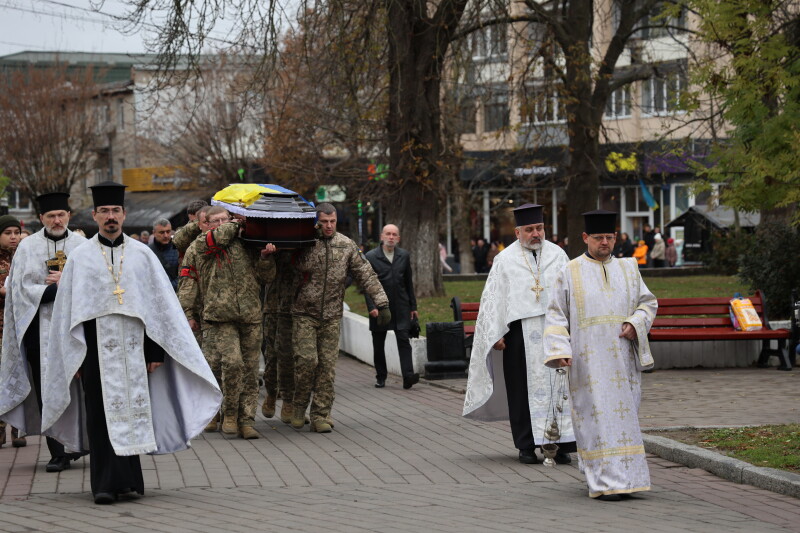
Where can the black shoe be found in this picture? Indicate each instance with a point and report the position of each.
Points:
(610, 497)
(562, 458)
(407, 384)
(104, 498)
(381, 383)
(57, 464)
(528, 457)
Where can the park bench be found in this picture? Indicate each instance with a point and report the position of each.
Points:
(682, 319)
(465, 312)
(708, 319)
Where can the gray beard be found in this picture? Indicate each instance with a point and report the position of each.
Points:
(58, 233)
(535, 247)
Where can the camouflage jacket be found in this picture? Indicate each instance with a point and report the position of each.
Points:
(323, 270)
(185, 236)
(228, 277)
(280, 293)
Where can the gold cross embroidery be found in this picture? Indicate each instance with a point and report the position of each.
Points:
(622, 410)
(58, 261)
(596, 414)
(619, 379)
(625, 440)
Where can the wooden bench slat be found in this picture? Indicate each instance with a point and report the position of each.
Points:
(698, 310)
(706, 334)
(689, 322)
(666, 302)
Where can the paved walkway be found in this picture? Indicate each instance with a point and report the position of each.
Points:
(407, 461)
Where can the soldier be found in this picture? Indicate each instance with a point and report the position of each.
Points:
(185, 236)
(278, 357)
(188, 275)
(317, 315)
(229, 279)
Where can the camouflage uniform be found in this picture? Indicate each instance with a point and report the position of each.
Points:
(317, 315)
(278, 357)
(182, 240)
(228, 279)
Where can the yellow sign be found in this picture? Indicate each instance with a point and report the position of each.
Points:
(617, 162)
(146, 179)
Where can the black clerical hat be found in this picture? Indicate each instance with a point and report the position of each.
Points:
(108, 193)
(53, 201)
(600, 222)
(528, 214)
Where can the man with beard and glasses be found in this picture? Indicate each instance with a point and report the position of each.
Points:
(118, 333)
(32, 287)
(507, 376)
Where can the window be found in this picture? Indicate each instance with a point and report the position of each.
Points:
(657, 24)
(121, 114)
(18, 199)
(545, 105)
(490, 42)
(619, 103)
(465, 117)
(495, 112)
(661, 94)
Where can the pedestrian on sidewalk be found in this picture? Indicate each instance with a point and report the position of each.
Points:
(117, 333)
(507, 352)
(317, 316)
(35, 276)
(393, 267)
(597, 323)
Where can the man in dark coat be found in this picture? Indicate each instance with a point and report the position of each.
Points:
(393, 267)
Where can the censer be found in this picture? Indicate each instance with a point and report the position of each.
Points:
(552, 432)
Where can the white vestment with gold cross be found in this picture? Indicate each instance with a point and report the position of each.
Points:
(509, 296)
(588, 306)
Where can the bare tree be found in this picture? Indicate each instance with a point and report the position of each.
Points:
(48, 127)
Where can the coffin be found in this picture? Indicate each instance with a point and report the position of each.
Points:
(278, 216)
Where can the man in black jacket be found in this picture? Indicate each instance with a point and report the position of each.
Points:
(393, 267)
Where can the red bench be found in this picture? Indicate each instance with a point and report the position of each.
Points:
(705, 319)
(465, 312)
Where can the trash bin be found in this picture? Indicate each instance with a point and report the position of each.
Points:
(446, 350)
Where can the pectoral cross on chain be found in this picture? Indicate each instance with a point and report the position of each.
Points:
(58, 261)
(537, 289)
(118, 293)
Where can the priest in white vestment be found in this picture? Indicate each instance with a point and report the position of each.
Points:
(31, 289)
(507, 377)
(118, 326)
(597, 323)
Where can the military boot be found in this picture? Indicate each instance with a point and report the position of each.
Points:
(16, 440)
(268, 409)
(320, 426)
(213, 425)
(229, 425)
(247, 432)
(286, 412)
(298, 419)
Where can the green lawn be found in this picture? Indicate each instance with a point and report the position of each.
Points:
(438, 309)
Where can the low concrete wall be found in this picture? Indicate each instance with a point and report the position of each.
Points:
(355, 339)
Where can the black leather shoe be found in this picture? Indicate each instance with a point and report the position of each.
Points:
(381, 383)
(407, 384)
(104, 498)
(610, 497)
(562, 458)
(57, 464)
(528, 457)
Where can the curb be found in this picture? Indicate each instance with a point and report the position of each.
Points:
(735, 470)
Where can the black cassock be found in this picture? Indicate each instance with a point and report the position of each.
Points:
(112, 473)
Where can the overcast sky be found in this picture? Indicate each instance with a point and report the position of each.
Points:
(63, 25)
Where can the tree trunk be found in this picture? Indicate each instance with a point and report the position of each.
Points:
(461, 228)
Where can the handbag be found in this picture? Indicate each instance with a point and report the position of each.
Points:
(414, 330)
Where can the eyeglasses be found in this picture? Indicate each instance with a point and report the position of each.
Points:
(601, 238)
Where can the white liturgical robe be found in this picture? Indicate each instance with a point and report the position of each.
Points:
(145, 413)
(507, 297)
(588, 306)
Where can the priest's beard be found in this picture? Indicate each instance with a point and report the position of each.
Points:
(55, 232)
(535, 246)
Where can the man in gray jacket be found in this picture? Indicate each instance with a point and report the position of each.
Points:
(393, 266)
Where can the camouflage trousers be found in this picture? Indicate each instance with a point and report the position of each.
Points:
(278, 356)
(232, 350)
(316, 348)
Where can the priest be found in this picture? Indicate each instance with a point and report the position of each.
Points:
(34, 277)
(597, 323)
(507, 377)
(118, 330)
